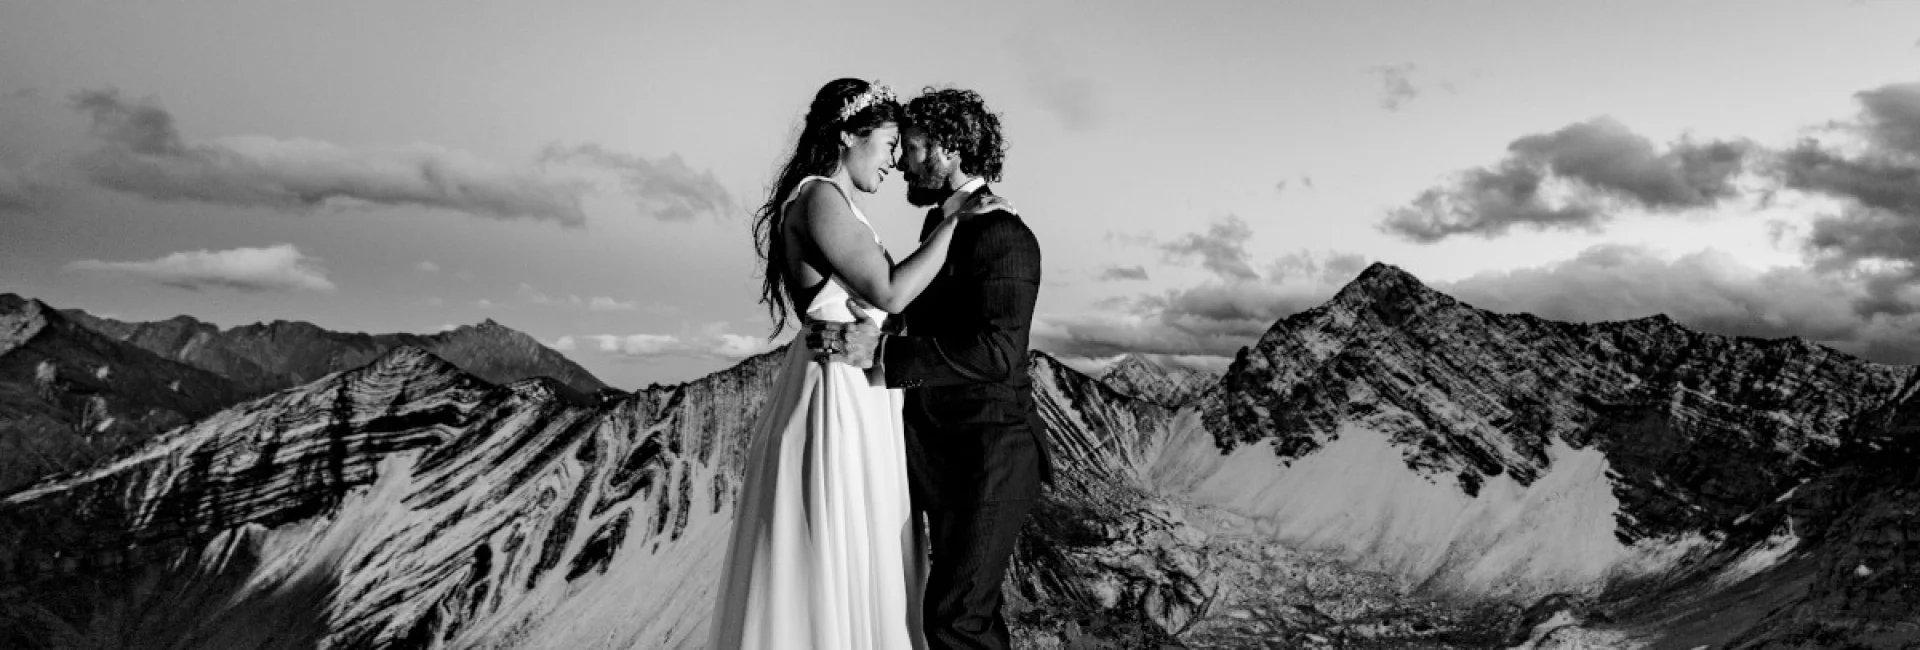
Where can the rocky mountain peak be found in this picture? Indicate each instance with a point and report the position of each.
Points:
(1165, 384)
(20, 319)
(1389, 292)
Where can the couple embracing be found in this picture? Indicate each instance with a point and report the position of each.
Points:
(899, 450)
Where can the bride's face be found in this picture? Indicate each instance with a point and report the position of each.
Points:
(867, 158)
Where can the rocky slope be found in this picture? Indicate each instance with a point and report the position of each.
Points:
(267, 357)
(70, 397)
(408, 504)
(1160, 383)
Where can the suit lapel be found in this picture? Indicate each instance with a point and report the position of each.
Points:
(933, 219)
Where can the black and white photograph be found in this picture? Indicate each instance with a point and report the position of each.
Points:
(982, 325)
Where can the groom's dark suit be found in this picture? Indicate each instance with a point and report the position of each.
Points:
(976, 455)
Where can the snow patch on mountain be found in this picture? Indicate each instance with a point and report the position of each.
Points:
(1357, 496)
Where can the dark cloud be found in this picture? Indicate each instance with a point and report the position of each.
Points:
(1890, 117)
(144, 153)
(1487, 202)
(1876, 234)
(1222, 249)
(1396, 85)
(1603, 155)
(1884, 173)
(667, 189)
(1603, 165)
(280, 267)
(1872, 180)
(1117, 273)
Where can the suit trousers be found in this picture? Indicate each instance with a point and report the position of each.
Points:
(972, 545)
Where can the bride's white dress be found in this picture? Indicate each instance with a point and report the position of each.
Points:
(823, 555)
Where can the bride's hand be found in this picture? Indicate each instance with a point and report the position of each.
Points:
(990, 203)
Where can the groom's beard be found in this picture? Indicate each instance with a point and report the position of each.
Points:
(926, 197)
(930, 190)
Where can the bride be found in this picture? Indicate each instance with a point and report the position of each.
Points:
(824, 552)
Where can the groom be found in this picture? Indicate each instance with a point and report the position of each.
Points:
(975, 452)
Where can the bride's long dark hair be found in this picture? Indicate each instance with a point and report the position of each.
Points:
(816, 153)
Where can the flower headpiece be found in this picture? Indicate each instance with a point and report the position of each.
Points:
(874, 93)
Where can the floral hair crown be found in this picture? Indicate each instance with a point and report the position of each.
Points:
(874, 93)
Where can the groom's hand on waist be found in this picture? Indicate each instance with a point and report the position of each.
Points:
(849, 343)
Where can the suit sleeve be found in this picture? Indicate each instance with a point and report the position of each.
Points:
(1001, 273)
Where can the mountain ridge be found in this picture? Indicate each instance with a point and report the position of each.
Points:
(283, 353)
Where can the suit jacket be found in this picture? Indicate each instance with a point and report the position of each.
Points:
(973, 433)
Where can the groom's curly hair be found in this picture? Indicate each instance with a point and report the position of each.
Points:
(958, 120)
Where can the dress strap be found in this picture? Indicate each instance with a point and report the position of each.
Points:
(844, 194)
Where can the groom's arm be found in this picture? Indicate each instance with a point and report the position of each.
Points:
(1002, 270)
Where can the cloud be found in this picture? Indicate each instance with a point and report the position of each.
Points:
(281, 267)
(427, 267)
(596, 303)
(1118, 273)
(1707, 291)
(1574, 178)
(15, 194)
(667, 189)
(1607, 158)
(712, 342)
(1335, 269)
(143, 152)
(1221, 249)
(483, 303)
(603, 303)
(1052, 76)
(1873, 168)
(1396, 85)
(1213, 319)
(565, 344)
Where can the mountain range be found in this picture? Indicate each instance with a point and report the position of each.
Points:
(1393, 468)
(75, 388)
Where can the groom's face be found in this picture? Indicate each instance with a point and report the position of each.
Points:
(923, 164)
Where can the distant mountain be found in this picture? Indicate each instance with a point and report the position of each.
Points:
(1164, 384)
(267, 357)
(70, 397)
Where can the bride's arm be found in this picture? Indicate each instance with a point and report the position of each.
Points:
(860, 262)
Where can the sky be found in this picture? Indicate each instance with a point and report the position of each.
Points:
(585, 171)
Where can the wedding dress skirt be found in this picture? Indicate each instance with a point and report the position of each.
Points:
(824, 554)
